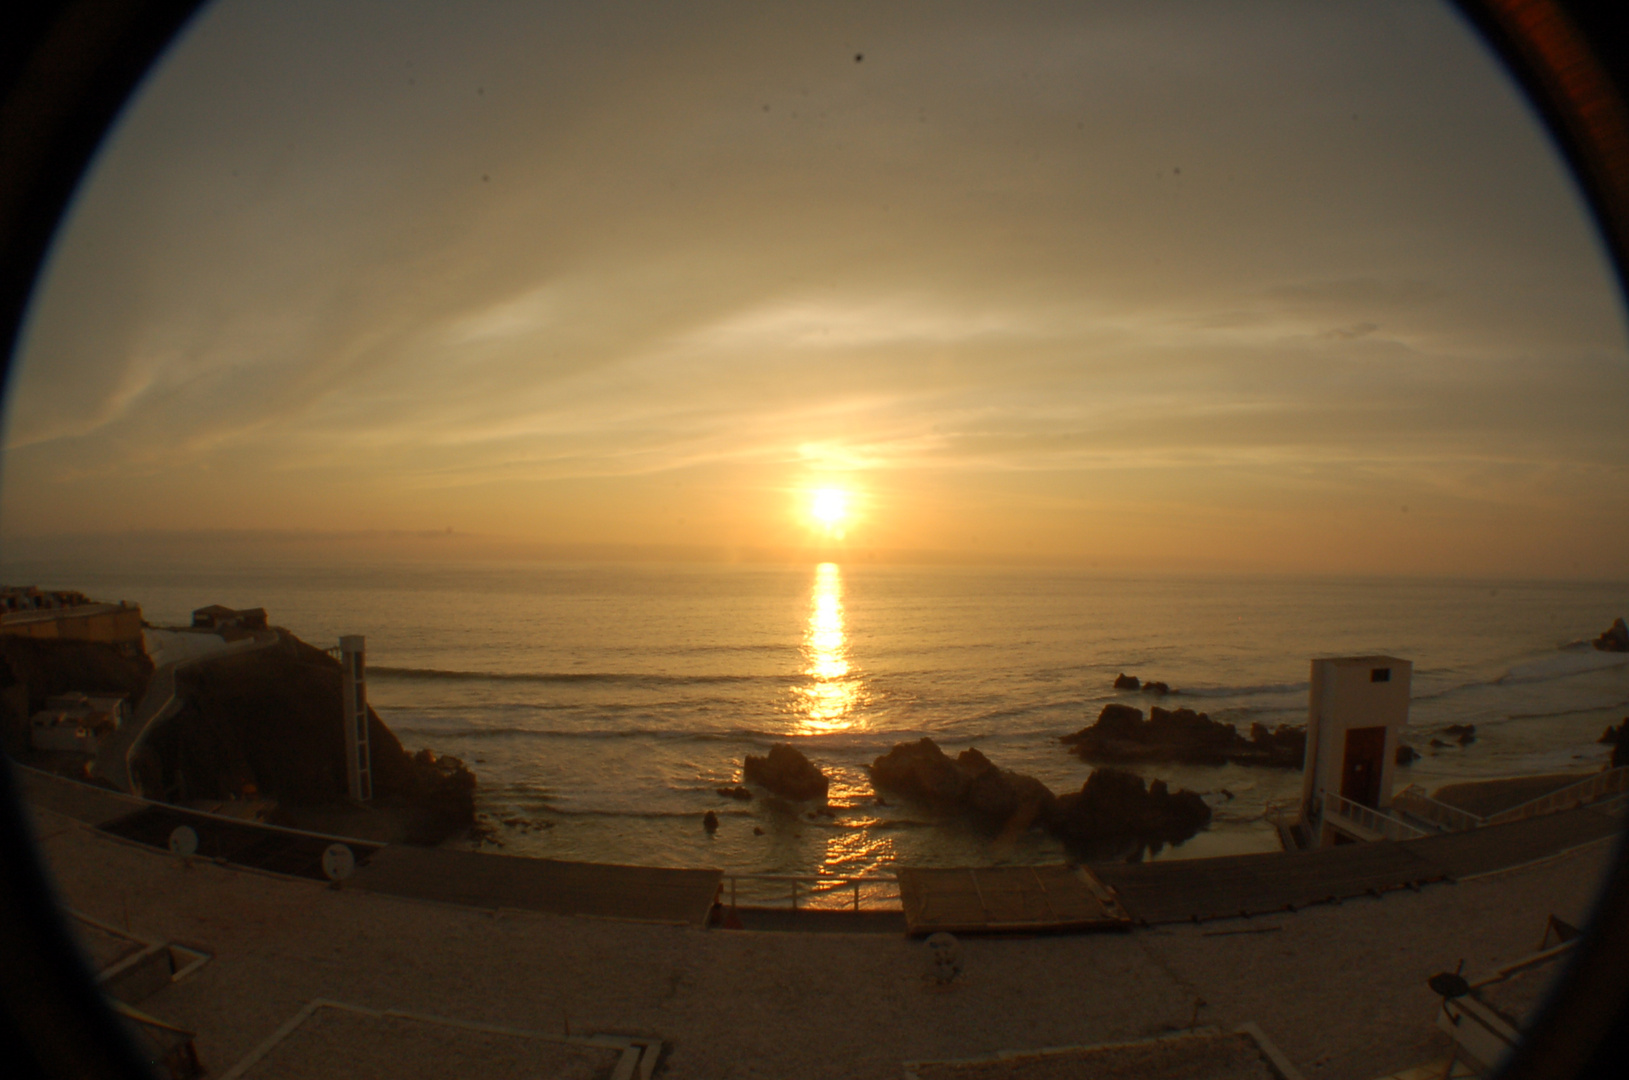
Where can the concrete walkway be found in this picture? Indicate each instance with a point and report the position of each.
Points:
(1339, 988)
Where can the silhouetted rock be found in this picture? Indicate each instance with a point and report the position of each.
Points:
(1616, 637)
(1466, 732)
(1614, 736)
(738, 793)
(1158, 689)
(1121, 735)
(787, 773)
(1114, 810)
(709, 821)
(1406, 754)
(1127, 682)
(1437, 744)
(971, 785)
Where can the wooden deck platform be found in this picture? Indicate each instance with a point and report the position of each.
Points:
(1007, 899)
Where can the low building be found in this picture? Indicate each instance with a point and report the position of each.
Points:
(219, 617)
(69, 616)
(1358, 708)
(76, 722)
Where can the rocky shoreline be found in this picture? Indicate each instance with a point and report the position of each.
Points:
(1114, 814)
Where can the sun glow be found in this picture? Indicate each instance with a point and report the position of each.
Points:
(829, 506)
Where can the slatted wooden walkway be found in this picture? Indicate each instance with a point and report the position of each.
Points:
(1004, 899)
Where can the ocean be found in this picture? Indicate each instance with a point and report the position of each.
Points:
(601, 705)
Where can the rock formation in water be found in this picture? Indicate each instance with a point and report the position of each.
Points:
(1123, 681)
(1406, 754)
(1157, 688)
(1616, 637)
(269, 723)
(1618, 739)
(1465, 732)
(787, 773)
(1107, 816)
(969, 785)
(1121, 735)
(1114, 810)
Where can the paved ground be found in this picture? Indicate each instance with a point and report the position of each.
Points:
(1339, 988)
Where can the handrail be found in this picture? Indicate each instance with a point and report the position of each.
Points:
(1417, 802)
(1370, 819)
(1282, 811)
(1586, 790)
(831, 883)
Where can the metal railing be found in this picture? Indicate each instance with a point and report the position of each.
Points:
(1610, 782)
(1282, 811)
(1414, 800)
(1368, 819)
(817, 890)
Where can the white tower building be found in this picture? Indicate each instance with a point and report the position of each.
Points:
(1357, 711)
(354, 691)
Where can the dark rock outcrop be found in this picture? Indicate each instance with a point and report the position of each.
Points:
(268, 723)
(1465, 732)
(1616, 637)
(1127, 682)
(787, 773)
(1121, 735)
(738, 793)
(1157, 688)
(1618, 739)
(1406, 754)
(1114, 811)
(709, 821)
(970, 785)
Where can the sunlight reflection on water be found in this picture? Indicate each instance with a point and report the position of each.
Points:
(827, 703)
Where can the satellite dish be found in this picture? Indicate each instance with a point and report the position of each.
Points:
(337, 862)
(184, 841)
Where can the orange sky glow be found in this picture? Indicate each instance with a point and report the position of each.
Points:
(1279, 287)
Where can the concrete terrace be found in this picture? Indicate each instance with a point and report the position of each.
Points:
(1338, 987)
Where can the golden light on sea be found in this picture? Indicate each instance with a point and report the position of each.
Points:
(827, 701)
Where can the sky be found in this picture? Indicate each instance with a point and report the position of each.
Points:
(1249, 287)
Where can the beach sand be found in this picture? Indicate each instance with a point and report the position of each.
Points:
(1339, 988)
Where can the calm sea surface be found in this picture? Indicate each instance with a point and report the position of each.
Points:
(601, 705)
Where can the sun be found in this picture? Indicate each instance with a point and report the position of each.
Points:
(829, 506)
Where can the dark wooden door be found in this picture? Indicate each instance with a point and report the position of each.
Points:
(1360, 771)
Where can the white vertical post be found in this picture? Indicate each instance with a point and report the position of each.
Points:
(354, 691)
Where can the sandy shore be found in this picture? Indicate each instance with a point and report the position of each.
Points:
(1339, 988)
